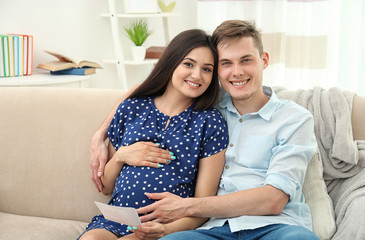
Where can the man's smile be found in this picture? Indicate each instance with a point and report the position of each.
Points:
(239, 83)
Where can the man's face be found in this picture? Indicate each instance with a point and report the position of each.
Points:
(240, 69)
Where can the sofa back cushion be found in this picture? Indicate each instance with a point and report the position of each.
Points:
(357, 118)
(44, 150)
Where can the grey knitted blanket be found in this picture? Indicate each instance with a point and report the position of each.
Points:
(343, 158)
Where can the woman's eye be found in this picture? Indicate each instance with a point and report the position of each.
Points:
(188, 64)
(207, 70)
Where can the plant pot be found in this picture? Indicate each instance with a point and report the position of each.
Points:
(138, 53)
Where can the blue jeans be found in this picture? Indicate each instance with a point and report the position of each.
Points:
(270, 232)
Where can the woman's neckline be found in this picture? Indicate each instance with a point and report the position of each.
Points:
(172, 115)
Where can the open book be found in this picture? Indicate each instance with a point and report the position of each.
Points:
(66, 63)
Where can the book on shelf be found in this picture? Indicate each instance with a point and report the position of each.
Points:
(66, 63)
(16, 54)
(21, 55)
(26, 56)
(30, 55)
(75, 71)
(154, 52)
(4, 56)
(11, 56)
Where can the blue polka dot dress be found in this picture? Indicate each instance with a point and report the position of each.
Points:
(190, 135)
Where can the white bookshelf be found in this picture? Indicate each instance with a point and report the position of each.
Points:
(45, 79)
(119, 60)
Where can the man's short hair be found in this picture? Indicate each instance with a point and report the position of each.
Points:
(236, 29)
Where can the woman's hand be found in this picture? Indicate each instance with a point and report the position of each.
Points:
(150, 231)
(146, 154)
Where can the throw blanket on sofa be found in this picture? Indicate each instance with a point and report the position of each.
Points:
(343, 158)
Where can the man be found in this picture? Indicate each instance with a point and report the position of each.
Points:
(271, 144)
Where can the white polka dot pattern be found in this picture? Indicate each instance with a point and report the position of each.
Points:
(190, 135)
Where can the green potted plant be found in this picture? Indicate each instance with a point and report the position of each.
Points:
(138, 31)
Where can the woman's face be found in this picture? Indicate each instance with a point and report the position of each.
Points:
(194, 74)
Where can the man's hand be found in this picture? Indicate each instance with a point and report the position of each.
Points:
(98, 149)
(168, 209)
(98, 159)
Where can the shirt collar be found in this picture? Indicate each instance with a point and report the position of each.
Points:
(265, 112)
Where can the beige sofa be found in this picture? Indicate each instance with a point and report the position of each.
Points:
(45, 187)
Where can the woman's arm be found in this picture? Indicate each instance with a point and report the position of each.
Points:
(111, 171)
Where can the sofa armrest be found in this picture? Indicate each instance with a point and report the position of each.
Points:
(358, 118)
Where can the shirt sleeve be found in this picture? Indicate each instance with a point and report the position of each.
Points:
(296, 145)
(215, 132)
(117, 125)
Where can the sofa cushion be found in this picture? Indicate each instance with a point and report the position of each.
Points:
(318, 200)
(44, 150)
(25, 227)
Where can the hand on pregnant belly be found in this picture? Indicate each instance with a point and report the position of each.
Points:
(147, 154)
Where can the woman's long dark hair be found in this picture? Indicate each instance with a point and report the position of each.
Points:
(175, 52)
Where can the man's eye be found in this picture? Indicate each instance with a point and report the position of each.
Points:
(226, 63)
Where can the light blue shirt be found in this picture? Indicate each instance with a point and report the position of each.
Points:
(272, 146)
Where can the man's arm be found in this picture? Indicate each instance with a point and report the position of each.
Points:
(209, 173)
(266, 200)
(295, 153)
(98, 147)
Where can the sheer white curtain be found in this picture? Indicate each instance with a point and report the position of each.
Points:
(310, 42)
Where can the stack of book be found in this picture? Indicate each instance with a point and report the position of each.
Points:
(16, 55)
(68, 66)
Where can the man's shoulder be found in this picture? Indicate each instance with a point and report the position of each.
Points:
(292, 108)
(223, 100)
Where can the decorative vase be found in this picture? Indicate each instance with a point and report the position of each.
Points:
(138, 53)
(166, 7)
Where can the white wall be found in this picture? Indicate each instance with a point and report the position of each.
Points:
(75, 28)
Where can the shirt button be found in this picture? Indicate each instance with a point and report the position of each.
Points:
(231, 145)
(240, 120)
(226, 166)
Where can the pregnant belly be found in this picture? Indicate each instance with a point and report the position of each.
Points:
(134, 182)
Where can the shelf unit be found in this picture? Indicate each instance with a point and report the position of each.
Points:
(45, 79)
(119, 60)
